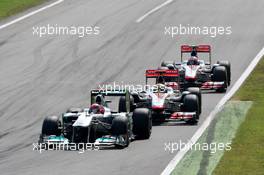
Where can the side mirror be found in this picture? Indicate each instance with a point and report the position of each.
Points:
(177, 64)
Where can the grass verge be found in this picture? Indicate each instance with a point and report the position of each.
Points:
(247, 154)
(221, 131)
(11, 7)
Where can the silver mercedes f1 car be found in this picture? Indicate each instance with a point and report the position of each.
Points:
(98, 124)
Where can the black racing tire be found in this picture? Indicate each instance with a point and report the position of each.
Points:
(165, 63)
(92, 134)
(122, 104)
(142, 123)
(197, 91)
(51, 126)
(120, 127)
(191, 104)
(220, 74)
(227, 65)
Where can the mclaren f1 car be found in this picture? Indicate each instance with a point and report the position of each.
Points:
(195, 72)
(166, 100)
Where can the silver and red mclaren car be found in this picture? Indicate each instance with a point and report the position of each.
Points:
(196, 72)
(165, 99)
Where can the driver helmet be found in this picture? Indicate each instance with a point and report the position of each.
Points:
(96, 109)
(160, 80)
(193, 61)
(170, 66)
(194, 53)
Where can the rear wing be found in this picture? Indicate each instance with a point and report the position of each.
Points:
(102, 93)
(195, 50)
(161, 73)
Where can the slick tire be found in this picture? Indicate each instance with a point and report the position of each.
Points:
(51, 126)
(227, 65)
(191, 104)
(120, 127)
(142, 123)
(220, 74)
(122, 104)
(197, 91)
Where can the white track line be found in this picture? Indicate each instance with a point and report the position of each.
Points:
(170, 167)
(30, 14)
(139, 20)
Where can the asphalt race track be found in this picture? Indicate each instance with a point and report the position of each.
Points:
(43, 76)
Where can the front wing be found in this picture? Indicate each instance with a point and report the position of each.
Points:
(183, 115)
(61, 143)
(211, 85)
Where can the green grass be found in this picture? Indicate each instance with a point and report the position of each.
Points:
(247, 154)
(10, 7)
(222, 130)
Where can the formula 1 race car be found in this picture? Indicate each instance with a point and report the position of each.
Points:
(99, 124)
(195, 72)
(165, 99)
